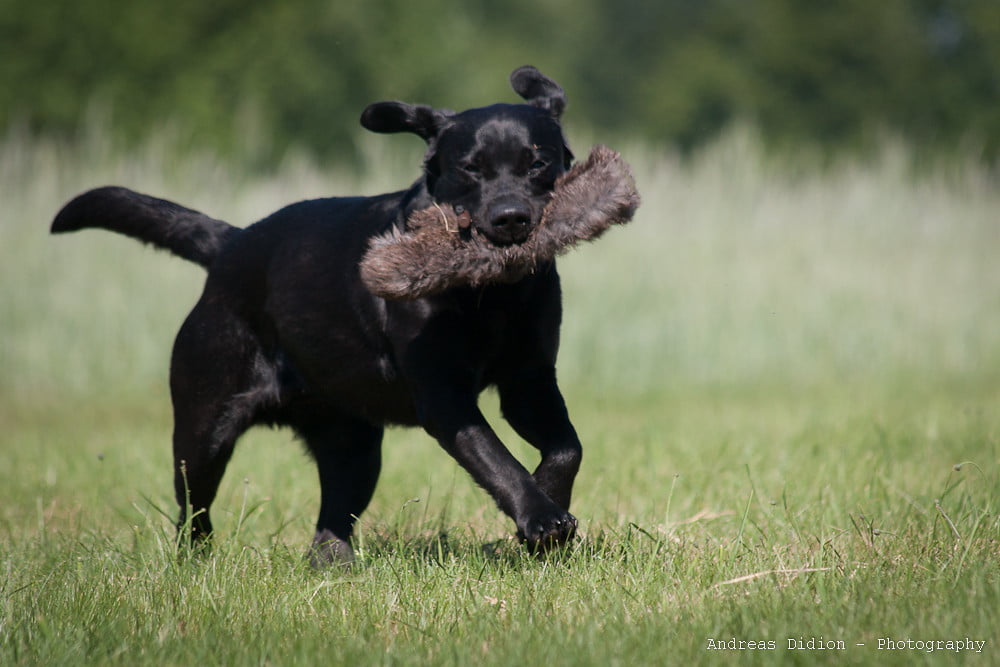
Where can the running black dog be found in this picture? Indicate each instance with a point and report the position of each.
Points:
(286, 333)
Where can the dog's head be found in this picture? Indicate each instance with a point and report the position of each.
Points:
(498, 164)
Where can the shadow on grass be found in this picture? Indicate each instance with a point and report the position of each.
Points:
(442, 548)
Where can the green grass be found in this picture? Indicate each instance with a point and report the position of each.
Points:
(787, 380)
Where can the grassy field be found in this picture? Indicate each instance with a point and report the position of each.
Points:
(787, 380)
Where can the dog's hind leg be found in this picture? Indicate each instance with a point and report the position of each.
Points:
(348, 454)
(218, 384)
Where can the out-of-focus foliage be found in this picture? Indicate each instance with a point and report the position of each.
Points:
(254, 77)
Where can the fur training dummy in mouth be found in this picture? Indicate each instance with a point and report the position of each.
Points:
(441, 249)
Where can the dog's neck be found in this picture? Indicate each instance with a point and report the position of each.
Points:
(415, 199)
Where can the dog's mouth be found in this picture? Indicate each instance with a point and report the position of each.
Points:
(500, 232)
(506, 222)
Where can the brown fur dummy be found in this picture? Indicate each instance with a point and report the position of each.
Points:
(440, 249)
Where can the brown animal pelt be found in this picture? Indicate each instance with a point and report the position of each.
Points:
(440, 249)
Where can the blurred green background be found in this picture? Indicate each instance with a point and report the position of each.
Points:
(252, 79)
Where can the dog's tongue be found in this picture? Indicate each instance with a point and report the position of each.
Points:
(433, 255)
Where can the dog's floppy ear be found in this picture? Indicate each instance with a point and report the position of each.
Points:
(539, 90)
(386, 117)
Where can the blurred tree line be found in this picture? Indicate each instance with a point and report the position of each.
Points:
(253, 77)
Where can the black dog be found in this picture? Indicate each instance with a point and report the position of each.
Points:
(286, 333)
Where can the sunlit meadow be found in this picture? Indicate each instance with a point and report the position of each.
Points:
(786, 375)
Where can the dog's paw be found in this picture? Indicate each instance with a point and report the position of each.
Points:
(547, 530)
(329, 551)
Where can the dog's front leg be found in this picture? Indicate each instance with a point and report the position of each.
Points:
(457, 423)
(532, 403)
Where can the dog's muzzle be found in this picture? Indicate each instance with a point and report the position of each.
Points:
(508, 222)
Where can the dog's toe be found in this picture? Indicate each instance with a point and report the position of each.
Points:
(546, 532)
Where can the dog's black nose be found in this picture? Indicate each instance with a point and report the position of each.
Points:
(510, 222)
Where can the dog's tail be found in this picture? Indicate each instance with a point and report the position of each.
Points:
(184, 232)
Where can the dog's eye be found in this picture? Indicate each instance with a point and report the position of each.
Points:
(539, 165)
(470, 168)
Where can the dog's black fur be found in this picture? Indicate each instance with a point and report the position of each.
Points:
(285, 333)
